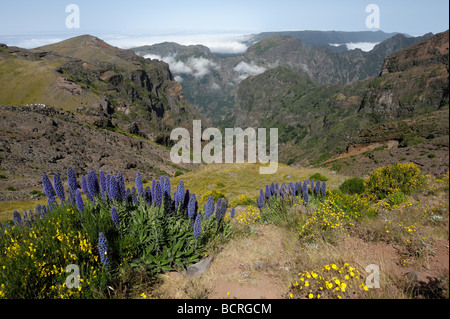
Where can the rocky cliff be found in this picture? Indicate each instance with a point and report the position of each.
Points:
(413, 81)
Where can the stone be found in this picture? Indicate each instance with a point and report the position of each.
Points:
(200, 268)
(417, 277)
(133, 128)
(175, 274)
(260, 266)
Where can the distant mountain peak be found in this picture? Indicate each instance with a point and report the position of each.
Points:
(80, 42)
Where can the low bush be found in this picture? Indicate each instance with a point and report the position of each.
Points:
(243, 200)
(396, 199)
(353, 186)
(392, 179)
(318, 177)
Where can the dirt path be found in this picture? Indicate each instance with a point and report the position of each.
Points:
(254, 267)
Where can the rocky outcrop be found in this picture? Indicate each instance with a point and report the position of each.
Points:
(39, 138)
(69, 86)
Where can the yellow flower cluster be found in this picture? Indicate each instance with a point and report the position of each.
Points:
(400, 177)
(243, 200)
(40, 255)
(2, 293)
(248, 217)
(387, 206)
(434, 185)
(336, 213)
(329, 282)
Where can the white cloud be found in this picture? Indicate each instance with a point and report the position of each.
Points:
(363, 46)
(30, 43)
(178, 78)
(245, 70)
(198, 67)
(215, 87)
(225, 43)
(152, 57)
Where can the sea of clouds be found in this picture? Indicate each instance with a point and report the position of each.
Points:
(223, 43)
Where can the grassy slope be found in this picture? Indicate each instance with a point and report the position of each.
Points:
(28, 82)
(234, 180)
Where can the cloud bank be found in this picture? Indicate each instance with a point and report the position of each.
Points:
(217, 43)
(222, 43)
(363, 46)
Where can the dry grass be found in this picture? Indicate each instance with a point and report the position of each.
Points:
(28, 82)
(7, 208)
(234, 180)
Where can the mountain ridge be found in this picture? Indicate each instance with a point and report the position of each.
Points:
(320, 122)
(215, 91)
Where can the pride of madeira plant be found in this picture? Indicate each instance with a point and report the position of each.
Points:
(101, 229)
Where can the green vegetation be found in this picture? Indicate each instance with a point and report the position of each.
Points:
(396, 199)
(395, 178)
(112, 243)
(353, 186)
(318, 177)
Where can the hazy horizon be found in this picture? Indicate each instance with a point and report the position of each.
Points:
(220, 26)
(221, 43)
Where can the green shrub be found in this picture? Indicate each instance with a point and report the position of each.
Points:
(37, 257)
(36, 192)
(318, 177)
(279, 212)
(353, 186)
(3, 176)
(178, 173)
(11, 188)
(396, 199)
(392, 179)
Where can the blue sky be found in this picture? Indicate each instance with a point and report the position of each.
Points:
(28, 18)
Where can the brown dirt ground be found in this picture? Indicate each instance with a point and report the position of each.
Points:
(263, 266)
